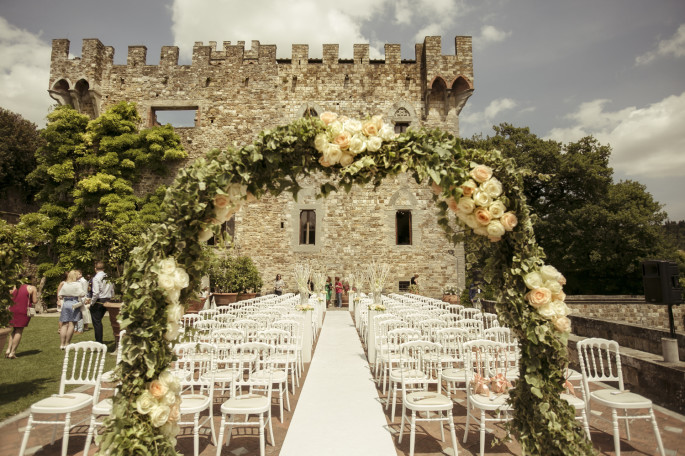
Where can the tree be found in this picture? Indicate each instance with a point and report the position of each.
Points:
(86, 172)
(595, 231)
(19, 140)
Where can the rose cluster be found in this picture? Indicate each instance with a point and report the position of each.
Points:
(480, 206)
(547, 296)
(226, 203)
(162, 401)
(304, 307)
(345, 138)
(172, 279)
(378, 307)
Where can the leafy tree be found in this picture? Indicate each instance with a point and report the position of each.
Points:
(19, 139)
(594, 230)
(86, 172)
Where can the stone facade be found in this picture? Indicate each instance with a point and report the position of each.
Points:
(235, 93)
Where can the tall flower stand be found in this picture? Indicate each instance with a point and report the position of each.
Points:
(307, 337)
(371, 337)
(351, 302)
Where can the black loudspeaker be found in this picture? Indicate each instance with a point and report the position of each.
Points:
(660, 279)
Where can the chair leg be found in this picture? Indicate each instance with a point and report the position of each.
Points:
(442, 428)
(412, 433)
(399, 440)
(617, 435)
(262, 448)
(196, 434)
(280, 399)
(271, 429)
(89, 436)
(25, 440)
(394, 402)
(65, 441)
(222, 426)
(466, 426)
(659, 443)
(482, 432)
(586, 423)
(453, 433)
(625, 413)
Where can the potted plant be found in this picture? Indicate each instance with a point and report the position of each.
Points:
(232, 277)
(246, 277)
(451, 294)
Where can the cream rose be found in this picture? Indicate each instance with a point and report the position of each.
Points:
(482, 216)
(333, 153)
(374, 144)
(171, 430)
(466, 205)
(174, 412)
(328, 117)
(221, 200)
(471, 221)
(492, 187)
(175, 312)
(562, 324)
(553, 285)
(343, 140)
(166, 281)
(372, 126)
(335, 128)
(533, 280)
(169, 398)
(167, 266)
(181, 278)
(560, 308)
(495, 229)
(346, 160)
(145, 403)
(320, 142)
(353, 126)
(539, 297)
(170, 380)
(481, 173)
(480, 230)
(157, 389)
(205, 235)
(497, 209)
(561, 296)
(236, 191)
(481, 198)
(469, 187)
(172, 330)
(159, 415)
(357, 144)
(509, 220)
(561, 280)
(549, 272)
(386, 132)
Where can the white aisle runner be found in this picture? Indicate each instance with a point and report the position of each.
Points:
(338, 412)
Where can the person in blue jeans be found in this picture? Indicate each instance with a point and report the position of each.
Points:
(103, 291)
(338, 292)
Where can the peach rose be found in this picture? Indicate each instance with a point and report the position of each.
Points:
(481, 173)
(323, 162)
(466, 205)
(482, 216)
(346, 160)
(539, 297)
(452, 204)
(562, 324)
(561, 296)
(494, 238)
(328, 117)
(343, 140)
(157, 389)
(497, 209)
(221, 201)
(174, 412)
(372, 126)
(509, 220)
(468, 187)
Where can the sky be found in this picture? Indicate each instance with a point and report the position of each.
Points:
(614, 69)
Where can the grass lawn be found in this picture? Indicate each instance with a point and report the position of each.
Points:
(35, 373)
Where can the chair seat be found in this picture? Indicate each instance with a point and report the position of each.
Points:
(277, 375)
(65, 403)
(423, 400)
(576, 402)
(624, 400)
(223, 375)
(574, 376)
(194, 403)
(492, 402)
(397, 375)
(454, 375)
(246, 404)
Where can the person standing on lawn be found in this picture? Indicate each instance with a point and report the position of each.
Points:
(83, 323)
(24, 297)
(72, 294)
(103, 291)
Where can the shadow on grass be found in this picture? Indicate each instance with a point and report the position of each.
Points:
(11, 392)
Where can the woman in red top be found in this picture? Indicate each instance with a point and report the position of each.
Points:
(338, 292)
(23, 298)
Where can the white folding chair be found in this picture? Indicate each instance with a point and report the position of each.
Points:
(470, 312)
(83, 365)
(473, 325)
(452, 357)
(490, 320)
(600, 361)
(255, 401)
(282, 361)
(420, 370)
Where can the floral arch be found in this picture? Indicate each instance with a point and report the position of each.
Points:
(482, 189)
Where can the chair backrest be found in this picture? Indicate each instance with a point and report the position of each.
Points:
(227, 336)
(490, 320)
(292, 326)
(420, 364)
(452, 341)
(473, 326)
(600, 360)
(450, 318)
(500, 334)
(430, 326)
(207, 314)
(470, 312)
(187, 320)
(455, 308)
(274, 337)
(485, 358)
(399, 336)
(194, 364)
(261, 353)
(83, 364)
(249, 328)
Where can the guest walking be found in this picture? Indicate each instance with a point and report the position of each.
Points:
(279, 284)
(329, 291)
(72, 294)
(24, 297)
(338, 292)
(83, 323)
(103, 291)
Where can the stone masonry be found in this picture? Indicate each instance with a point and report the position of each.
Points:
(236, 93)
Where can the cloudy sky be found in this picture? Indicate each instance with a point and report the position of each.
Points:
(614, 69)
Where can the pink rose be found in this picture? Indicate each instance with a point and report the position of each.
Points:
(482, 216)
(468, 187)
(158, 389)
(509, 221)
(343, 140)
(346, 160)
(328, 117)
(539, 297)
(452, 204)
(221, 201)
(323, 162)
(481, 173)
(494, 238)
(372, 126)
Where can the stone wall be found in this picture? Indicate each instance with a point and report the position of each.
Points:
(237, 92)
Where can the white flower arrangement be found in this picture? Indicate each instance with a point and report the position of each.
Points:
(161, 400)
(319, 279)
(546, 295)
(303, 272)
(377, 274)
(304, 307)
(345, 138)
(479, 207)
(172, 279)
(226, 204)
(378, 307)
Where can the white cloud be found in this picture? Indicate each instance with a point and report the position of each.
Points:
(674, 46)
(490, 34)
(484, 120)
(646, 141)
(312, 22)
(403, 12)
(24, 73)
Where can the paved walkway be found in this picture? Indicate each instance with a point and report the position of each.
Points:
(338, 411)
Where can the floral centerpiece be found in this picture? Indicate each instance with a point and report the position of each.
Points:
(546, 295)
(303, 273)
(378, 307)
(377, 274)
(304, 307)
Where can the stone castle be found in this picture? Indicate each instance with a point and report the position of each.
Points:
(234, 93)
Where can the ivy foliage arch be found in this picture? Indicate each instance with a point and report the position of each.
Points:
(481, 188)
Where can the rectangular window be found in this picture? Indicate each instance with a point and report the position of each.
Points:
(403, 285)
(308, 227)
(401, 127)
(183, 117)
(403, 227)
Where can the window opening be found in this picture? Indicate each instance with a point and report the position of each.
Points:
(403, 285)
(307, 227)
(401, 127)
(178, 117)
(403, 227)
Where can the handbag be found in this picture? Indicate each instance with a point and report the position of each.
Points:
(31, 312)
(77, 304)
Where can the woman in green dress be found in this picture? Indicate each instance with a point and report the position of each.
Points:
(328, 291)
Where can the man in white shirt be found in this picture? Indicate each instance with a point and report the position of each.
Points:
(103, 291)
